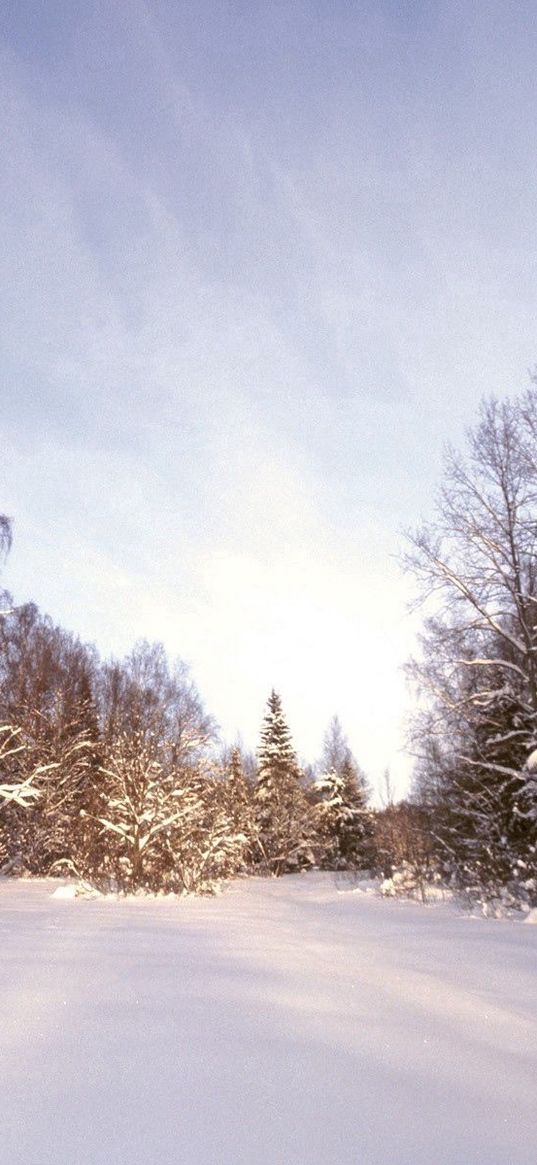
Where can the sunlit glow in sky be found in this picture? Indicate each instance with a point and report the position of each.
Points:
(259, 261)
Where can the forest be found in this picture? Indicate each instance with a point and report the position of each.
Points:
(113, 771)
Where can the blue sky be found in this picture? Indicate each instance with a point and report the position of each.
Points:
(259, 261)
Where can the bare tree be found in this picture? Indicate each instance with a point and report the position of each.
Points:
(476, 566)
(142, 693)
(477, 558)
(6, 533)
(6, 537)
(404, 848)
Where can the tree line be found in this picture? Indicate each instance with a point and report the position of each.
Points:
(113, 770)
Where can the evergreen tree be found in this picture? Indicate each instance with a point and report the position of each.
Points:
(238, 793)
(277, 761)
(344, 822)
(283, 819)
(472, 787)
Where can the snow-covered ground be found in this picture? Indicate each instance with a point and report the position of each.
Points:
(282, 1023)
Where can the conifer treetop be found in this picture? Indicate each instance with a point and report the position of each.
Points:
(276, 756)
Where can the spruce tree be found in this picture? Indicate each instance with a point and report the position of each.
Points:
(276, 756)
(283, 823)
(237, 789)
(344, 822)
(238, 802)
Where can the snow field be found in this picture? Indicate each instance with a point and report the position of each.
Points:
(286, 1022)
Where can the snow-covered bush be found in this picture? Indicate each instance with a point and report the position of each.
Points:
(402, 884)
(209, 846)
(159, 826)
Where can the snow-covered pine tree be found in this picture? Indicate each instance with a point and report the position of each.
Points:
(238, 793)
(276, 757)
(344, 822)
(473, 801)
(283, 818)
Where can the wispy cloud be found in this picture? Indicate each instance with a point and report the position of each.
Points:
(254, 269)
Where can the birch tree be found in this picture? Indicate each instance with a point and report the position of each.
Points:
(6, 534)
(476, 566)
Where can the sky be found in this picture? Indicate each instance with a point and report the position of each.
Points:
(259, 262)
